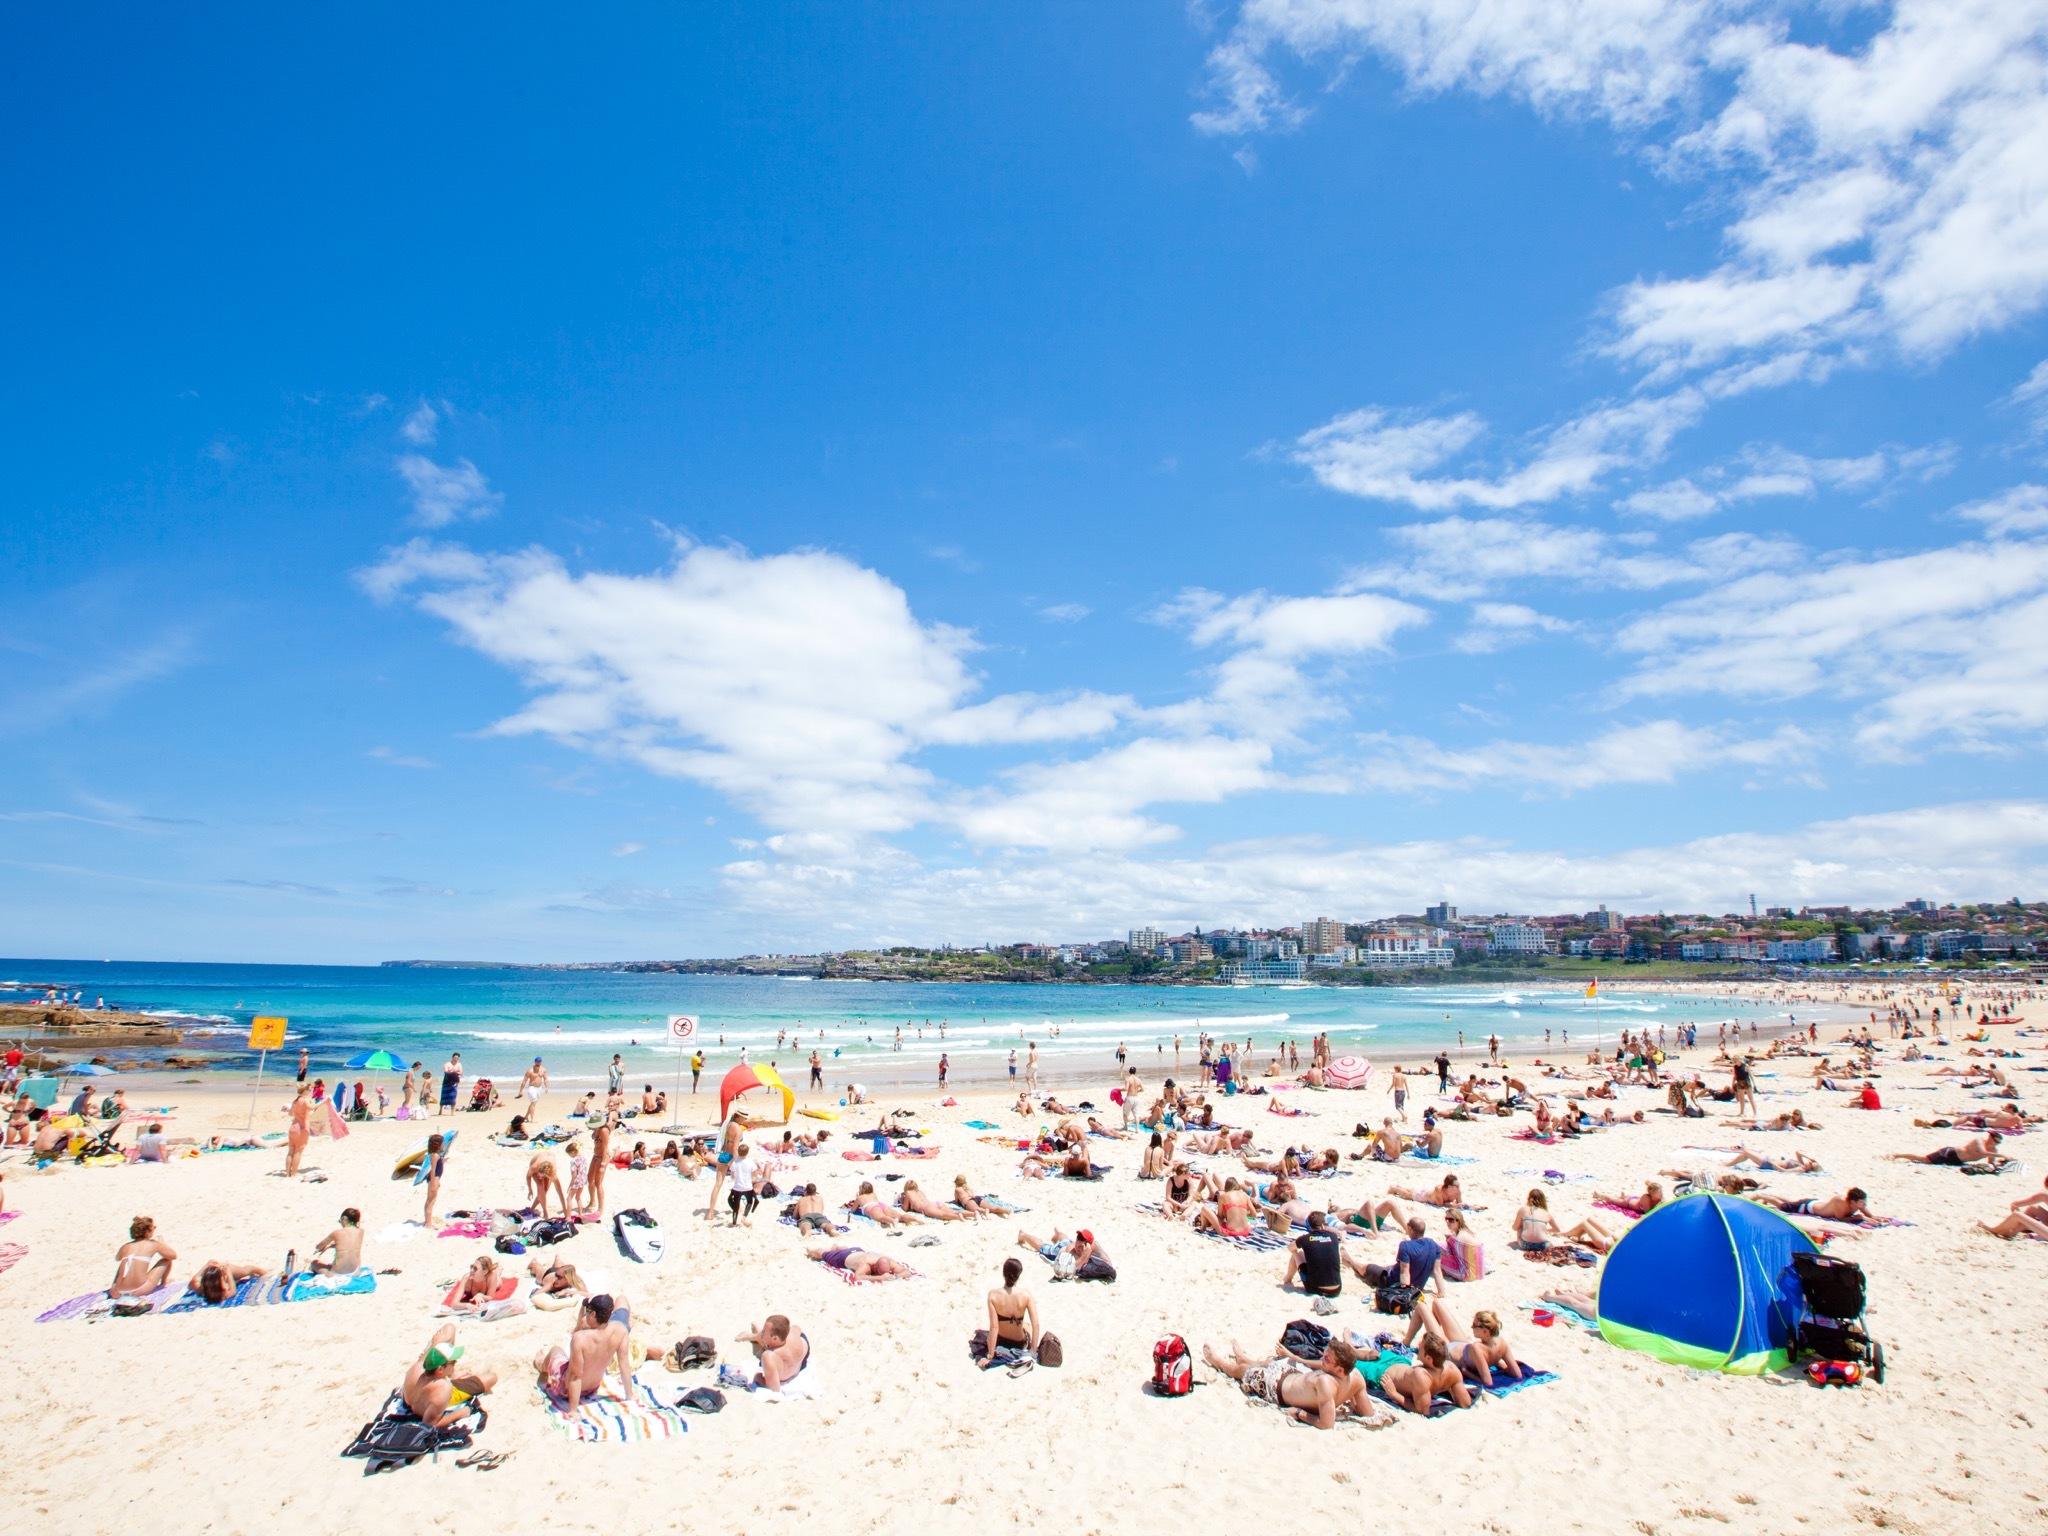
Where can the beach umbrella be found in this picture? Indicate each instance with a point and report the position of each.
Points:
(1347, 1072)
(1707, 1281)
(88, 1069)
(375, 1061)
(745, 1079)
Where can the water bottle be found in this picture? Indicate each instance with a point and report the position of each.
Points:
(291, 1262)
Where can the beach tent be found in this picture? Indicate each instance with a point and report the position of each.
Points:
(744, 1079)
(1347, 1072)
(1706, 1281)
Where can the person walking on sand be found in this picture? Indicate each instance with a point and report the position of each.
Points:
(1031, 1068)
(944, 1067)
(305, 1060)
(696, 1070)
(300, 1133)
(437, 1165)
(600, 1160)
(532, 1086)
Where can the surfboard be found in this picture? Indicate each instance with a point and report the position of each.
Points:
(414, 1164)
(820, 1114)
(642, 1244)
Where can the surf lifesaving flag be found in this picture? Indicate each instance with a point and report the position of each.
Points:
(1593, 987)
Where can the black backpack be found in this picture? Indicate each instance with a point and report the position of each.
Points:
(549, 1230)
(398, 1437)
(1305, 1340)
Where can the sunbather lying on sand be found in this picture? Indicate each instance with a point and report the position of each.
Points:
(216, 1280)
(1978, 1149)
(857, 1261)
(1447, 1193)
(915, 1199)
(1853, 1206)
(870, 1205)
(1307, 1394)
(1791, 1161)
(1651, 1197)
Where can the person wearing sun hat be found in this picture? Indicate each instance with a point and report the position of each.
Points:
(435, 1389)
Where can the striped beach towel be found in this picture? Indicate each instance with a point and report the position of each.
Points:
(1259, 1239)
(606, 1420)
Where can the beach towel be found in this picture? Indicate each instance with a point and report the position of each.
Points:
(100, 1304)
(398, 1232)
(357, 1282)
(983, 1125)
(7, 1216)
(606, 1420)
(1550, 1175)
(1563, 1315)
(11, 1254)
(998, 1203)
(790, 1221)
(469, 1229)
(1609, 1205)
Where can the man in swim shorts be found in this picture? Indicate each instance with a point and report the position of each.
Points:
(782, 1349)
(533, 1085)
(570, 1373)
(1307, 1393)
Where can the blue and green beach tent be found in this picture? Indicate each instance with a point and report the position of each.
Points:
(1706, 1281)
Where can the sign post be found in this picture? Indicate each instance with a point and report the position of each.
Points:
(682, 1029)
(266, 1034)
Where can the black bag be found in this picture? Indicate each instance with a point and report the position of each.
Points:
(549, 1230)
(1832, 1287)
(767, 1190)
(1396, 1299)
(1304, 1339)
(693, 1351)
(510, 1243)
(1097, 1268)
(702, 1400)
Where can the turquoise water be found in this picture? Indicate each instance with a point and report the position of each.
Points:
(501, 1019)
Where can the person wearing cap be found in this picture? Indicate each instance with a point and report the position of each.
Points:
(1088, 1260)
(438, 1392)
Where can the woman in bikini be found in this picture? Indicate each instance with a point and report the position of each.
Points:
(1463, 1258)
(1012, 1315)
(1535, 1226)
(1413, 1387)
(1181, 1194)
(1231, 1215)
(1484, 1352)
(478, 1287)
(965, 1197)
(871, 1205)
(915, 1199)
(1651, 1197)
(143, 1263)
(1153, 1164)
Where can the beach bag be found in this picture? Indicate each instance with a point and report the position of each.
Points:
(1305, 1340)
(398, 1437)
(1396, 1299)
(1097, 1268)
(702, 1400)
(1173, 1373)
(549, 1230)
(509, 1243)
(694, 1351)
(1050, 1350)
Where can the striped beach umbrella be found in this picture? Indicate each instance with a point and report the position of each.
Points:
(1347, 1072)
(374, 1061)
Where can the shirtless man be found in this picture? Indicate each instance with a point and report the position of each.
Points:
(532, 1086)
(810, 1212)
(782, 1350)
(344, 1243)
(435, 1390)
(542, 1176)
(861, 1263)
(1385, 1146)
(1978, 1149)
(300, 1133)
(1414, 1386)
(1305, 1393)
(1793, 1161)
(1851, 1207)
(1446, 1194)
(569, 1373)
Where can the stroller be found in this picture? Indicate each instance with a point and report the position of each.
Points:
(1834, 1333)
(482, 1096)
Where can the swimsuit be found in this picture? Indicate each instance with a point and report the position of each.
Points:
(1266, 1380)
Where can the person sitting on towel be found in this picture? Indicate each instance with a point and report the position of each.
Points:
(571, 1372)
(438, 1392)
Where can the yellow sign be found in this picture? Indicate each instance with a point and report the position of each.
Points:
(266, 1034)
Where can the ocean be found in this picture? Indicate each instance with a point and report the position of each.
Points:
(576, 1020)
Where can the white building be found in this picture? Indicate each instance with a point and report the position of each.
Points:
(1270, 949)
(1806, 951)
(1146, 940)
(1515, 939)
(1404, 952)
(1263, 970)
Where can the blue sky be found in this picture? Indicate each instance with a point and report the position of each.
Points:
(495, 484)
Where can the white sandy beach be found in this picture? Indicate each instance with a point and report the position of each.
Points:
(233, 1422)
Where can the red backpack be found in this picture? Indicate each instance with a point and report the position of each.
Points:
(1173, 1373)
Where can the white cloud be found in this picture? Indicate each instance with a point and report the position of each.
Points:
(1064, 613)
(1674, 501)
(1496, 626)
(1456, 558)
(1097, 802)
(2023, 509)
(1387, 457)
(1883, 191)
(1945, 643)
(2032, 395)
(444, 493)
(1771, 470)
(397, 759)
(1943, 852)
(627, 849)
(422, 427)
(1657, 752)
